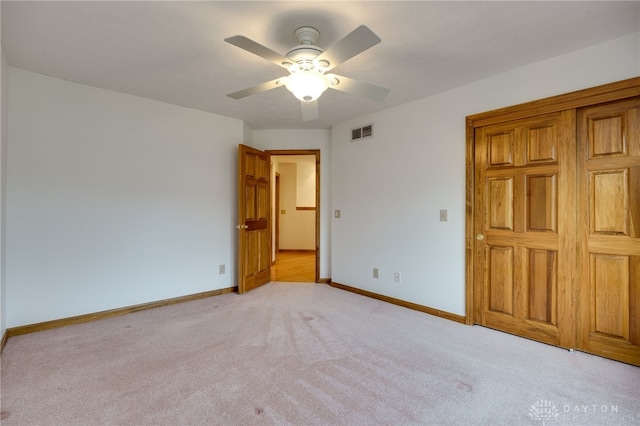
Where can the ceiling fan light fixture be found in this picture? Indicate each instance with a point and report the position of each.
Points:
(307, 85)
(307, 65)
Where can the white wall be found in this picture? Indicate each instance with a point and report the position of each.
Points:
(308, 139)
(390, 188)
(4, 115)
(247, 134)
(297, 227)
(306, 185)
(113, 200)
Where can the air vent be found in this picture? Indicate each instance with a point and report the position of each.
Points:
(362, 132)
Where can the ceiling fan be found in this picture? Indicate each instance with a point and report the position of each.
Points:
(308, 66)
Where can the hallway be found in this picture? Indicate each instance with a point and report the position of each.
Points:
(294, 266)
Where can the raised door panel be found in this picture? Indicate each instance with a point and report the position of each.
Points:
(607, 135)
(609, 212)
(501, 203)
(262, 195)
(250, 161)
(542, 286)
(542, 143)
(250, 259)
(542, 203)
(609, 203)
(501, 146)
(500, 282)
(609, 279)
(250, 201)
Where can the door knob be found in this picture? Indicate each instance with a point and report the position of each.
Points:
(242, 226)
(480, 237)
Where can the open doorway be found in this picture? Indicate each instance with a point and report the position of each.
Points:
(295, 201)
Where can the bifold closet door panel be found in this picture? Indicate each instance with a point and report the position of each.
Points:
(525, 174)
(609, 230)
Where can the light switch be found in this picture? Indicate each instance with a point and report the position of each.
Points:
(336, 214)
(443, 215)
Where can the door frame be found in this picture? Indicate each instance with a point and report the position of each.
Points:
(316, 153)
(276, 219)
(582, 98)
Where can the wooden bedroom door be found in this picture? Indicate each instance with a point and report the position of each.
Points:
(525, 242)
(254, 229)
(609, 230)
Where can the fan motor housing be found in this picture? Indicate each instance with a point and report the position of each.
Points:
(304, 52)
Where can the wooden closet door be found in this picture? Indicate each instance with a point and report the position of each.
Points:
(609, 230)
(525, 224)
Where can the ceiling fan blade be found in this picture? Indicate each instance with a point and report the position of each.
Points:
(357, 41)
(360, 88)
(309, 110)
(273, 84)
(257, 49)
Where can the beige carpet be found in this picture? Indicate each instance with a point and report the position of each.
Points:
(304, 355)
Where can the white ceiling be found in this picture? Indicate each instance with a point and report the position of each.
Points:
(174, 51)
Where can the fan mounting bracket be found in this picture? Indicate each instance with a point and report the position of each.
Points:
(307, 35)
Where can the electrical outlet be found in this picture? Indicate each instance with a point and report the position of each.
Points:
(443, 215)
(376, 273)
(397, 277)
(221, 269)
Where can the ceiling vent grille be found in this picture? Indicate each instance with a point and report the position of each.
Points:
(363, 132)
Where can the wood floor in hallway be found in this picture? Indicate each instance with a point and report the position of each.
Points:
(294, 266)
